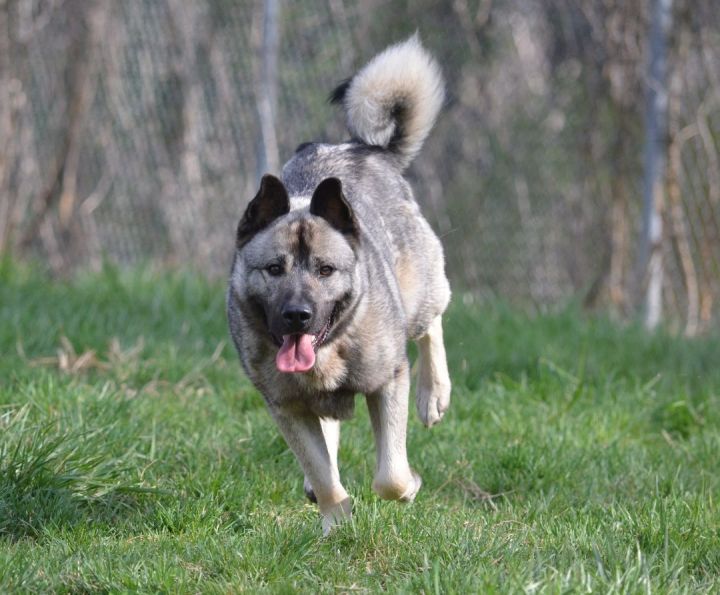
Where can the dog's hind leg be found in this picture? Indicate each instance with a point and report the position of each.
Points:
(433, 381)
(304, 435)
(394, 480)
(331, 432)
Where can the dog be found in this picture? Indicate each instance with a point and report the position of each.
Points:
(335, 269)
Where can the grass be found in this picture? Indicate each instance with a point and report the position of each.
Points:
(134, 456)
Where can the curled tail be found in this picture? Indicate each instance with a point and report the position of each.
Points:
(393, 101)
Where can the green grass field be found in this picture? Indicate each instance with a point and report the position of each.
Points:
(577, 456)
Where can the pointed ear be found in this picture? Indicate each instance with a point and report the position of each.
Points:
(329, 202)
(269, 203)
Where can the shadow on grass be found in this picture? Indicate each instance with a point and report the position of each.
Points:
(27, 514)
(62, 478)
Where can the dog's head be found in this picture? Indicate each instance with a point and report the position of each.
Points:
(296, 270)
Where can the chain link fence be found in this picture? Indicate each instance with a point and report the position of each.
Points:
(130, 133)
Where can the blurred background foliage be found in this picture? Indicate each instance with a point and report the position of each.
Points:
(132, 132)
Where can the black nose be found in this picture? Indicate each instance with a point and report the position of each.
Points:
(297, 317)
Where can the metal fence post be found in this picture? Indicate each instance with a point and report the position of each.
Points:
(267, 153)
(651, 263)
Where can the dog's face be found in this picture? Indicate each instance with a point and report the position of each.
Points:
(298, 268)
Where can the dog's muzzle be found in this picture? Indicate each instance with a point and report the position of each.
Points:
(297, 349)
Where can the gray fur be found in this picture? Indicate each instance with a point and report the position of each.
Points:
(347, 207)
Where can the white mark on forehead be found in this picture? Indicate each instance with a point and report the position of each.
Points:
(299, 202)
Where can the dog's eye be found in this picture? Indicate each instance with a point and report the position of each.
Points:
(326, 270)
(274, 270)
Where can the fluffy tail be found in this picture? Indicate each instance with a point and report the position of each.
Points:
(394, 100)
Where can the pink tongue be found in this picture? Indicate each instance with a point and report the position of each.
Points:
(296, 354)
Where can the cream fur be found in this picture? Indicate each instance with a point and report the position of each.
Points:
(395, 99)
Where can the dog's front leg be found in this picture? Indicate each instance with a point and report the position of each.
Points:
(331, 432)
(304, 435)
(394, 480)
(433, 380)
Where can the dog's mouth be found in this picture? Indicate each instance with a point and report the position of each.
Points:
(297, 351)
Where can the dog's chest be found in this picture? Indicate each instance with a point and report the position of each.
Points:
(329, 372)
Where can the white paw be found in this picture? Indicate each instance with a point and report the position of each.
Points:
(413, 489)
(336, 515)
(432, 400)
(403, 489)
